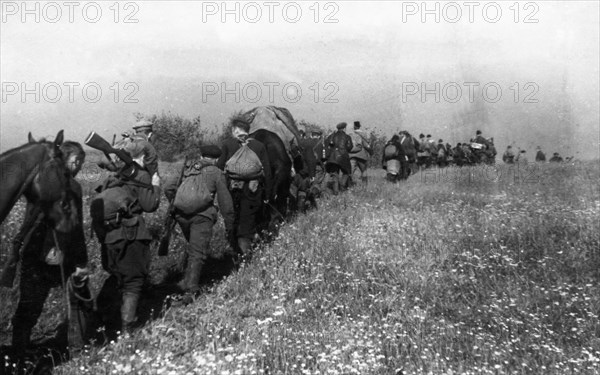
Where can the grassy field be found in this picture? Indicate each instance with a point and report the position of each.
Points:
(460, 271)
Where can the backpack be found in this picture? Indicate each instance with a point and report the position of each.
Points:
(193, 195)
(357, 145)
(112, 202)
(441, 152)
(391, 151)
(244, 164)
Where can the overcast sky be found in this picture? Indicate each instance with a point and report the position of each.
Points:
(359, 60)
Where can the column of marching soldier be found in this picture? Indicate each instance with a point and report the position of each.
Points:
(134, 188)
(117, 210)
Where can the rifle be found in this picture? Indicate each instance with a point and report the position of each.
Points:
(163, 248)
(96, 141)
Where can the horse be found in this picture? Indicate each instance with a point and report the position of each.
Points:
(270, 125)
(37, 171)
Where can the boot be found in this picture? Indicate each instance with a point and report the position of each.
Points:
(191, 279)
(128, 312)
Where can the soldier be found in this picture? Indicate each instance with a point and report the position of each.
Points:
(423, 152)
(442, 154)
(509, 156)
(144, 135)
(338, 145)
(556, 158)
(360, 152)
(318, 185)
(540, 157)
(479, 138)
(249, 193)
(521, 157)
(480, 153)
(124, 237)
(46, 262)
(197, 224)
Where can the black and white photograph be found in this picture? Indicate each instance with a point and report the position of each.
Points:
(299, 187)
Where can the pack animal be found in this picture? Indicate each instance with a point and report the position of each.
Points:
(37, 171)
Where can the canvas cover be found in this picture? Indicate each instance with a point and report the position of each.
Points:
(276, 120)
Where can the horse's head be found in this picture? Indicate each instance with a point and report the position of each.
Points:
(50, 188)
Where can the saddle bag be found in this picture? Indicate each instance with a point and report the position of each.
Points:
(244, 164)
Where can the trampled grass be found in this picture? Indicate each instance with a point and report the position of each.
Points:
(468, 271)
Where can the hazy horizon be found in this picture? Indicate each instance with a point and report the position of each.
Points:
(365, 61)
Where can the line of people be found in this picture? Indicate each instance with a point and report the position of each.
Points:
(520, 157)
(403, 154)
(236, 175)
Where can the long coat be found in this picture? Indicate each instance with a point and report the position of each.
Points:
(339, 145)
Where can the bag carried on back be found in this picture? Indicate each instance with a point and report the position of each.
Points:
(112, 202)
(391, 151)
(244, 164)
(193, 195)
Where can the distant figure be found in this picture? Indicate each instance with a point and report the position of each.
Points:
(522, 157)
(442, 153)
(360, 153)
(556, 158)
(338, 158)
(509, 156)
(540, 156)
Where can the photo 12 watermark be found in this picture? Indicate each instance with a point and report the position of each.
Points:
(273, 92)
(270, 11)
(69, 92)
(69, 11)
(454, 92)
(470, 11)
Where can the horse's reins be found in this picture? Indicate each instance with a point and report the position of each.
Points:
(68, 284)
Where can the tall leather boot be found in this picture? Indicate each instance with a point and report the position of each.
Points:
(128, 312)
(191, 279)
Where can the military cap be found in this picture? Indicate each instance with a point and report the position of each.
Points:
(478, 132)
(428, 135)
(356, 124)
(143, 125)
(210, 151)
(341, 125)
(421, 135)
(440, 141)
(523, 151)
(555, 154)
